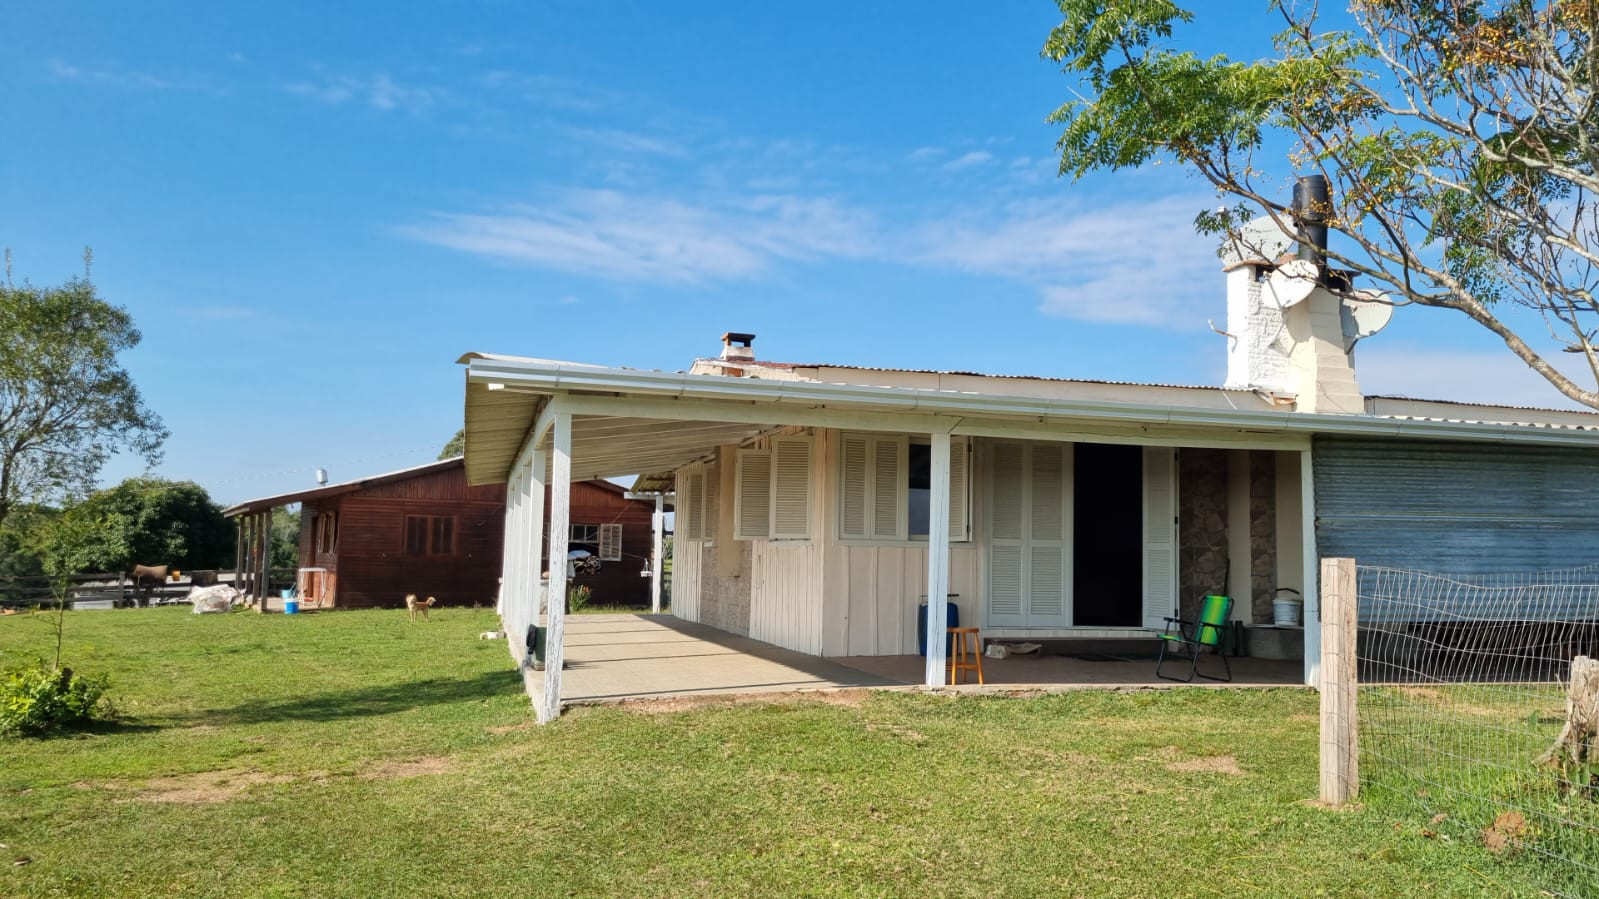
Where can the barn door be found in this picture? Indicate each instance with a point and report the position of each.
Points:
(1160, 535)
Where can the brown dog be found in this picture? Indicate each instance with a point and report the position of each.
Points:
(416, 605)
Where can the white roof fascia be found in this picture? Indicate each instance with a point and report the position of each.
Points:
(559, 378)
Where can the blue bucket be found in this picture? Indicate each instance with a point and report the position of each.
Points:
(291, 607)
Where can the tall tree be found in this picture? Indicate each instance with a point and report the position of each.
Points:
(1461, 139)
(143, 520)
(66, 403)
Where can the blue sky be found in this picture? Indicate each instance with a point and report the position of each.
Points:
(312, 210)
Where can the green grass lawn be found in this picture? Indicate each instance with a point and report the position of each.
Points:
(357, 754)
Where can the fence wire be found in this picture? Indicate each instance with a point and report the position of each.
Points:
(1462, 696)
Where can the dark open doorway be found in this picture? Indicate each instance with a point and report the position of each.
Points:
(1107, 584)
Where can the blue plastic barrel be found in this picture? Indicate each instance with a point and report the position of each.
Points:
(952, 618)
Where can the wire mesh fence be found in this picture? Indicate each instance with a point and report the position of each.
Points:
(1464, 720)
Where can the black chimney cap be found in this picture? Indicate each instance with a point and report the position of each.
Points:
(738, 337)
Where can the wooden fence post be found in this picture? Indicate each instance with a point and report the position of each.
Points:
(1340, 775)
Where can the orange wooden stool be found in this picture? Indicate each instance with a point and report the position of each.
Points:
(965, 656)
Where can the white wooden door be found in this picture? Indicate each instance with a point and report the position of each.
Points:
(1160, 535)
(1029, 535)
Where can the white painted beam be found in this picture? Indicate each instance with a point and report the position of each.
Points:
(657, 552)
(938, 559)
(560, 528)
(1312, 593)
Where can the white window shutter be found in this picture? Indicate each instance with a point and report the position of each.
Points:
(1160, 535)
(889, 500)
(611, 542)
(1007, 509)
(752, 498)
(710, 502)
(791, 489)
(854, 489)
(693, 499)
(960, 522)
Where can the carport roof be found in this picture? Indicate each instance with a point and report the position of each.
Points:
(633, 421)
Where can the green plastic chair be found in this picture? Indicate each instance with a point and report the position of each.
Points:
(1194, 636)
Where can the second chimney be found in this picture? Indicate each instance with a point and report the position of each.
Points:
(737, 347)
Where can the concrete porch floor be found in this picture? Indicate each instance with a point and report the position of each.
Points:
(617, 657)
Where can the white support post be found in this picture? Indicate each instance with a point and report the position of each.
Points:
(508, 549)
(532, 539)
(938, 560)
(560, 528)
(657, 552)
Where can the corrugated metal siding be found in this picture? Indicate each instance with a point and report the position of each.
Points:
(1458, 508)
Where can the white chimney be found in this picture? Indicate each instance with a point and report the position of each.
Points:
(737, 347)
(1285, 329)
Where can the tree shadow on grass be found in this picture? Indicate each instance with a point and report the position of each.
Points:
(378, 699)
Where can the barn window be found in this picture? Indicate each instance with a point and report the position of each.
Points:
(610, 542)
(326, 532)
(429, 535)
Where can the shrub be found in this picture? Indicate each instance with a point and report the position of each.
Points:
(36, 700)
(578, 597)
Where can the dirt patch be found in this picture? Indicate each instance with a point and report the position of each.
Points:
(205, 786)
(1210, 764)
(851, 698)
(420, 767)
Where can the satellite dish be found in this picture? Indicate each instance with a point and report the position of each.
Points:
(1364, 313)
(1259, 240)
(1290, 283)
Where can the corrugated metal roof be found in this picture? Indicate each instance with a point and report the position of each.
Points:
(790, 366)
(326, 490)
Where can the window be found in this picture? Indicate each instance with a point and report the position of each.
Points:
(610, 542)
(429, 535)
(691, 503)
(585, 536)
(773, 498)
(325, 533)
(886, 488)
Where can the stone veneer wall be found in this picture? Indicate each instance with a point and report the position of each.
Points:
(1201, 526)
(1262, 534)
(724, 601)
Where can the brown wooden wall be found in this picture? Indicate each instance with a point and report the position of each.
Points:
(372, 570)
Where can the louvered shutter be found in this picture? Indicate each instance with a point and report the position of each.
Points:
(752, 500)
(611, 542)
(960, 522)
(791, 489)
(1046, 568)
(854, 488)
(889, 510)
(1160, 535)
(1007, 500)
(710, 502)
(693, 500)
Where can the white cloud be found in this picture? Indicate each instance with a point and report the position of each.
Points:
(628, 142)
(618, 236)
(1136, 262)
(379, 91)
(966, 161)
(925, 154)
(115, 76)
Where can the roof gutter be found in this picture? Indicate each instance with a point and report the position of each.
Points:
(557, 378)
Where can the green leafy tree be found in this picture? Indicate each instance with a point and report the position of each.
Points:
(142, 520)
(285, 539)
(1460, 139)
(456, 446)
(66, 403)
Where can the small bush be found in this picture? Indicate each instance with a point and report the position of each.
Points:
(578, 597)
(37, 700)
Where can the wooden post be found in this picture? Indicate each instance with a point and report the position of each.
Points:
(238, 553)
(1340, 774)
(938, 560)
(657, 549)
(533, 537)
(560, 532)
(264, 554)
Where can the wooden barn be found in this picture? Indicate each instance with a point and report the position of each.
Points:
(367, 543)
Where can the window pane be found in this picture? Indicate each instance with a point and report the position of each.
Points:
(919, 483)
